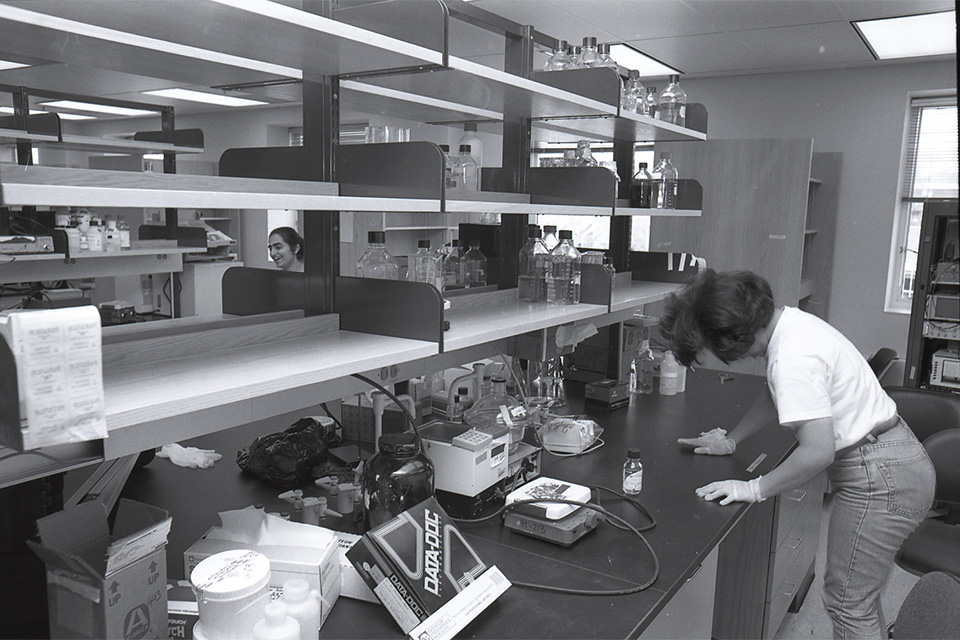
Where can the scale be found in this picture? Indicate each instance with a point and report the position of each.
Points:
(555, 522)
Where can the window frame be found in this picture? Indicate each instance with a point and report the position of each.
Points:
(894, 300)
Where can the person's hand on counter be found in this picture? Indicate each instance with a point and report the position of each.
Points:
(713, 443)
(732, 491)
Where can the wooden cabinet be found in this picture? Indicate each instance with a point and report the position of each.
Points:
(819, 232)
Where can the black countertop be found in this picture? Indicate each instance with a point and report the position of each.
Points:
(688, 528)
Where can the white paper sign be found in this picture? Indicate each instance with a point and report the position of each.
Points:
(59, 374)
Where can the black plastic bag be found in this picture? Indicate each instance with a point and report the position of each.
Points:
(289, 458)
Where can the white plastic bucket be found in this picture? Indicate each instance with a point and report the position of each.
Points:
(232, 593)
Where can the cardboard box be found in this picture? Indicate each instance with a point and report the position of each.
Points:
(182, 611)
(351, 584)
(426, 573)
(103, 583)
(319, 566)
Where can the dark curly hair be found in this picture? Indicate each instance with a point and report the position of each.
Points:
(292, 238)
(721, 312)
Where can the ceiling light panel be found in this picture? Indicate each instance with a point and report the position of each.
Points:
(929, 34)
(201, 96)
(630, 58)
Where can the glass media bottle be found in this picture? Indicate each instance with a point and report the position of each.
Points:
(395, 478)
(376, 262)
(632, 473)
(475, 266)
(550, 239)
(673, 103)
(468, 171)
(633, 98)
(665, 178)
(559, 61)
(532, 264)
(653, 102)
(641, 187)
(563, 276)
(453, 267)
(589, 55)
(426, 266)
(641, 369)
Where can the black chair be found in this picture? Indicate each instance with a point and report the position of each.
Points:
(925, 410)
(931, 611)
(935, 544)
(882, 361)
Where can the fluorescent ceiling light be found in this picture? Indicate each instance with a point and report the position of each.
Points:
(98, 108)
(153, 156)
(631, 58)
(6, 64)
(928, 34)
(63, 116)
(200, 96)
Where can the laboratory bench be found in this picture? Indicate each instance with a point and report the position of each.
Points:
(688, 537)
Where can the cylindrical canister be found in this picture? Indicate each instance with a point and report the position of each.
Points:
(395, 478)
(232, 592)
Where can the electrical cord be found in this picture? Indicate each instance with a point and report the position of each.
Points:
(610, 516)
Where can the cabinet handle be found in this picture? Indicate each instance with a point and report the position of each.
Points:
(793, 495)
(695, 572)
(792, 591)
(797, 544)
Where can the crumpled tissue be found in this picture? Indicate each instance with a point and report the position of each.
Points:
(570, 335)
(258, 528)
(190, 457)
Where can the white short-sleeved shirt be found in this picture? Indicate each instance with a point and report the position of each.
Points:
(813, 372)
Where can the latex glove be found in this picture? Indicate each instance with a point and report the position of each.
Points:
(732, 491)
(190, 457)
(714, 443)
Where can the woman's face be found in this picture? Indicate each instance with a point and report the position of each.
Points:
(281, 253)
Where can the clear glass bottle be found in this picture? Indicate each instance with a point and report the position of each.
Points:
(632, 473)
(550, 239)
(498, 410)
(395, 478)
(124, 232)
(633, 97)
(669, 375)
(559, 61)
(584, 155)
(570, 158)
(426, 266)
(376, 262)
(475, 266)
(605, 60)
(673, 103)
(573, 52)
(589, 55)
(653, 102)
(563, 276)
(476, 144)
(468, 171)
(641, 187)
(531, 267)
(664, 184)
(449, 168)
(453, 267)
(455, 414)
(642, 369)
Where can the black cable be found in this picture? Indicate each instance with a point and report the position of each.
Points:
(582, 592)
(411, 419)
(631, 500)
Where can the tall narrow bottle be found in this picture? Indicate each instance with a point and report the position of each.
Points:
(425, 266)
(376, 262)
(468, 171)
(653, 102)
(471, 138)
(633, 97)
(589, 56)
(641, 369)
(449, 168)
(673, 103)
(563, 277)
(531, 268)
(550, 239)
(559, 61)
(453, 267)
(665, 183)
(475, 266)
(641, 187)
(669, 375)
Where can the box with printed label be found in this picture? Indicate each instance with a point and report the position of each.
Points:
(426, 573)
(319, 566)
(182, 611)
(104, 583)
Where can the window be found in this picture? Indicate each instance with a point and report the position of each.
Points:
(929, 171)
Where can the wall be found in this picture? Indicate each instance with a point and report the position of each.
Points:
(859, 112)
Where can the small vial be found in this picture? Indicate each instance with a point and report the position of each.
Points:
(632, 473)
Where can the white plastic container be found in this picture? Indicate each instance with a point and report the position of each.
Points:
(303, 605)
(669, 375)
(278, 624)
(232, 593)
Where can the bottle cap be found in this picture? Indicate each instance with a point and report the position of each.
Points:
(634, 74)
(474, 244)
(296, 589)
(590, 42)
(665, 155)
(444, 147)
(566, 234)
(470, 126)
(454, 243)
(423, 244)
(533, 231)
(378, 237)
(400, 443)
(462, 391)
(674, 79)
(574, 49)
(604, 47)
(633, 453)
(464, 148)
(549, 228)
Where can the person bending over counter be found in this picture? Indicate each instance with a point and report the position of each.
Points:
(822, 389)
(286, 249)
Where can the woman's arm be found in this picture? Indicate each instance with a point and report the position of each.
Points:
(814, 454)
(762, 413)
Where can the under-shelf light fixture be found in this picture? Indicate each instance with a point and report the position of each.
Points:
(630, 57)
(927, 34)
(63, 116)
(98, 108)
(202, 96)
(6, 65)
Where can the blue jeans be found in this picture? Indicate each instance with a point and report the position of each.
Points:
(881, 493)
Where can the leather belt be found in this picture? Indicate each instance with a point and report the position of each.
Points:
(872, 436)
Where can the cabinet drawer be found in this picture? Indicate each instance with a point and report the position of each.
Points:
(784, 564)
(780, 598)
(792, 507)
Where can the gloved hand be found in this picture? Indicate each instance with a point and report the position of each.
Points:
(714, 443)
(732, 491)
(190, 457)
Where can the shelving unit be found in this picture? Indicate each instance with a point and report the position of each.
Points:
(56, 266)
